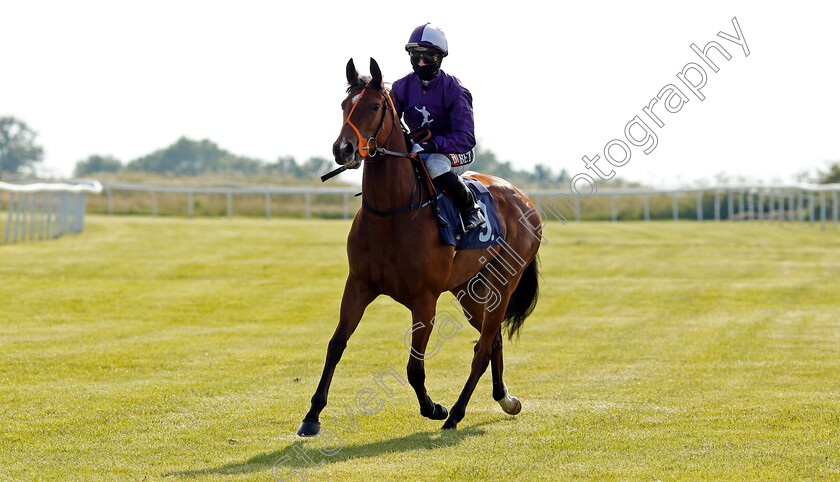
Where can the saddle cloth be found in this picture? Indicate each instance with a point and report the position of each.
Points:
(490, 234)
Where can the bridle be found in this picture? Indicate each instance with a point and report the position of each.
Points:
(370, 147)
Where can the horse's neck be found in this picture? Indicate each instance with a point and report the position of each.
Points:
(388, 181)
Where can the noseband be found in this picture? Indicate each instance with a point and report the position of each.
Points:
(369, 147)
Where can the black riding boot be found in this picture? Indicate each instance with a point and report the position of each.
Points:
(462, 197)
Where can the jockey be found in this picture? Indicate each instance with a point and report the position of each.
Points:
(430, 98)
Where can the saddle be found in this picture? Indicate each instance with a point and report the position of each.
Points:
(450, 222)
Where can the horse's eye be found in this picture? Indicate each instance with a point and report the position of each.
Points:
(375, 107)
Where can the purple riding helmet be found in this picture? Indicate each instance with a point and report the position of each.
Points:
(428, 36)
(429, 43)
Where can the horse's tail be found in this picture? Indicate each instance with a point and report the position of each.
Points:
(523, 300)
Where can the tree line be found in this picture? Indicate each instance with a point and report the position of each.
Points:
(187, 157)
(18, 149)
(20, 153)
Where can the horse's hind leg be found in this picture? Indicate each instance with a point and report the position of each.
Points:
(481, 358)
(357, 296)
(422, 314)
(489, 345)
(474, 311)
(509, 404)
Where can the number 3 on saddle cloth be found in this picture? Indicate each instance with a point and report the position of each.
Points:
(489, 234)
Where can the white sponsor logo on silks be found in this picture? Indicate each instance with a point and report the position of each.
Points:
(426, 119)
(461, 159)
(487, 231)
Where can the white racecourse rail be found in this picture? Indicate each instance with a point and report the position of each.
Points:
(773, 203)
(779, 203)
(43, 210)
(228, 189)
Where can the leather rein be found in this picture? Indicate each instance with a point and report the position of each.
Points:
(370, 148)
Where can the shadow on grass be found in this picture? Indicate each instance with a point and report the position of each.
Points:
(289, 459)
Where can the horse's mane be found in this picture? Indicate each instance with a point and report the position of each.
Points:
(361, 82)
(364, 81)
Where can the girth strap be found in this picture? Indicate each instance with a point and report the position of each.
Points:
(393, 212)
(431, 200)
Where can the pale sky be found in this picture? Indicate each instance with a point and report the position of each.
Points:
(551, 81)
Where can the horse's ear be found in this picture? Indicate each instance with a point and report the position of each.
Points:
(376, 74)
(352, 75)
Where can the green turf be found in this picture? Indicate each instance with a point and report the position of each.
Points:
(147, 349)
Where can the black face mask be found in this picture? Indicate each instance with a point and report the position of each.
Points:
(426, 72)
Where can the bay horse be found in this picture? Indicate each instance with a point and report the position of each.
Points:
(395, 249)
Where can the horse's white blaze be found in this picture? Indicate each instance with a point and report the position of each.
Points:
(356, 97)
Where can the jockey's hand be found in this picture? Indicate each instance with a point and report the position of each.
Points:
(428, 146)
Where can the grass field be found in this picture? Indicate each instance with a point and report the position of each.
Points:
(149, 349)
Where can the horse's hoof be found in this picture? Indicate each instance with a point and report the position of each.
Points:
(450, 425)
(440, 412)
(512, 406)
(309, 429)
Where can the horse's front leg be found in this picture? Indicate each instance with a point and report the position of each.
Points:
(357, 296)
(422, 314)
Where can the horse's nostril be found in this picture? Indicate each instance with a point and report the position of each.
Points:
(348, 148)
